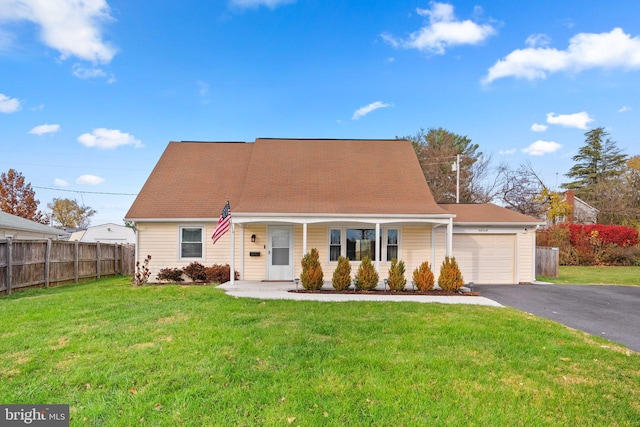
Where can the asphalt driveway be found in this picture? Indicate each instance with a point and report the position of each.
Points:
(611, 312)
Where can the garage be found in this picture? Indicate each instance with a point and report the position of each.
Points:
(486, 258)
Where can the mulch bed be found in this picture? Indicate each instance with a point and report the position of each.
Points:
(407, 292)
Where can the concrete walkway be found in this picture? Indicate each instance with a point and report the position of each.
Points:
(279, 290)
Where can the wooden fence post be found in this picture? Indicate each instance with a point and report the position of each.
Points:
(115, 261)
(47, 258)
(7, 289)
(98, 260)
(75, 262)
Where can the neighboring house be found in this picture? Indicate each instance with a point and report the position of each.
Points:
(105, 233)
(581, 211)
(15, 227)
(344, 197)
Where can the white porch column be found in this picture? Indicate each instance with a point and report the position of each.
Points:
(377, 255)
(449, 249)
(304, 238)
(232, 264)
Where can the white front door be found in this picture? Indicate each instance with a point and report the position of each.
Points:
(280, 253)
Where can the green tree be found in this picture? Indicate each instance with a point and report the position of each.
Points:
(436, 150)
(598, 160)
(18, 198)
(67, 213)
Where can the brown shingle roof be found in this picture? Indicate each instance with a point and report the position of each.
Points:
(487, 213)
(289, 176)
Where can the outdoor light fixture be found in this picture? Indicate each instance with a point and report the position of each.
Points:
(296, 280)
(386, 281)
(253, 238)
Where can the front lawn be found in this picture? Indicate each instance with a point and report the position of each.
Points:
(579, 275)
(193, 356)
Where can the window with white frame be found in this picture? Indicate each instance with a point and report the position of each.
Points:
(191, 242)
(360, 242)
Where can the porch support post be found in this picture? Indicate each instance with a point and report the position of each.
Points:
(232, 264)
(449, 249)
(304, 238)
(377, 255)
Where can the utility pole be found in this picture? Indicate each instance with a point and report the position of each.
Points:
(456, 167)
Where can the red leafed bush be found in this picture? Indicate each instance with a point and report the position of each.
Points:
(219, 273)
(619, 235)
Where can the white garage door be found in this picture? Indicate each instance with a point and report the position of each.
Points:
(486, 258)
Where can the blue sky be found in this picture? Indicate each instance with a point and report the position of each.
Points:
(91, 91)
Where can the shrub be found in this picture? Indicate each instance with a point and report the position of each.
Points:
(312, 278)
(219, 273)
(173, 275)
(367, 277)
(396, 281)
(423, 277)
(196, 272)
(450, 276)
(141, 277)
(342, 274)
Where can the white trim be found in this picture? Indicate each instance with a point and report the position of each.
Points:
(381, 249)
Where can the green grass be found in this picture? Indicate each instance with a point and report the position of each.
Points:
(595, 276)
(193, 356)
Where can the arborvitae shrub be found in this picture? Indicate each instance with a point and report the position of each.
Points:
(396, 281)
(219, 273)
(342, 274)
(450, 276)
(173, 275)
(423, 277)
(312, 278)
(196, 272)
(367, 277)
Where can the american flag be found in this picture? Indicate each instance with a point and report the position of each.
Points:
(223, 223)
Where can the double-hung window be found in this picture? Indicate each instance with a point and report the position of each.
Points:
(191, 242)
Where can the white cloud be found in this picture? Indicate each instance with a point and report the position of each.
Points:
(540, 148)
(624, 108)
(535, 40)
(586, 50)
(89, 180)
(9, 105)
(271, 4)
(72, 27)
(363, 111)
(577, 120)
(537, 127)
(108, 139)
(60, 182)
(507, 152)
(43, 129)
(442, 31)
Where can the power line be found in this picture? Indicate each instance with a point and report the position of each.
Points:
(86, 192)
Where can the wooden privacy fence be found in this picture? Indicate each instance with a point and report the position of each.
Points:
(547, 261)
(25, 263)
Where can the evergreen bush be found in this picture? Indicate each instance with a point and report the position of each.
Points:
(312, 278)
(450, 276)
(423, 277)
(367, 277)
(397, 281)
(342, 274)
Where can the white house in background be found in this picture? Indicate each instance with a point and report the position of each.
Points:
(105, 233)
(15, 227)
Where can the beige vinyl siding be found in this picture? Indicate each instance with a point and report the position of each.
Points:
(526, 256)
(162, 241)
(415, 248)
(255, 268)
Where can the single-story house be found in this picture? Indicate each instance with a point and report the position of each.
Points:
(105, 233)
(15, 227)
(343, 197)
